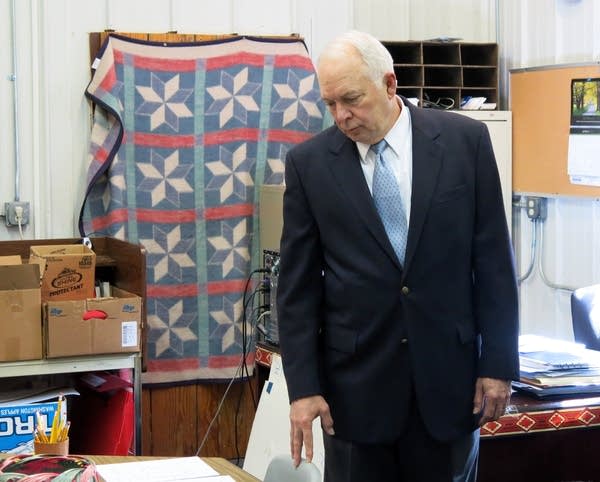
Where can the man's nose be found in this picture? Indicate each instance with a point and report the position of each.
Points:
(342, 113)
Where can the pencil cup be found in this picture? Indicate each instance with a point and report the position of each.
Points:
(56, 448)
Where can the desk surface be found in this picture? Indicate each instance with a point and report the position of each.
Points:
(527, 414)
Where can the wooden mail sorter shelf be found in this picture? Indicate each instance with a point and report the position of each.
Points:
(445, 72)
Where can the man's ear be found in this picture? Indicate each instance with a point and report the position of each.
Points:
(391, 83)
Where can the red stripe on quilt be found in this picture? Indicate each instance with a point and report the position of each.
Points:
(165, 65)
(225, 136)
(222, 287)
(161, 140)
(237, 59)
(175, 216)
(293, 61)
(171, 291)
(225, 212)
(173, 365)
(228, 361)
(100, 155)
(160, 64)
(279, 135)
(116, 216)
(109, 79)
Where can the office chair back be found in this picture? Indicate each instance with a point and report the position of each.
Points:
(281, 469)
(585, 314)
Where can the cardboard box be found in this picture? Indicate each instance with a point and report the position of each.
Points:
(10, 260)
(270, 216)
(67, 333)
(20, 313)
(17, 423)
(68, 271)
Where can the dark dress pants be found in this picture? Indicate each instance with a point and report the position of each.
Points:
(415, 457)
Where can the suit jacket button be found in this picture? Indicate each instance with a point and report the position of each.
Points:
(404, 341)
(405, 290)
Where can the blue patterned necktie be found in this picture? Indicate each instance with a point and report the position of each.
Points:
(388, 201)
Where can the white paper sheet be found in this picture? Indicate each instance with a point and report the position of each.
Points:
(188, 469)
(584, 159)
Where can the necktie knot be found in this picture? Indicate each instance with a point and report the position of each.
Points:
(379, 147)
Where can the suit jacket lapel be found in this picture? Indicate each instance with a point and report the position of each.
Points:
(427, 160)
(346, 169)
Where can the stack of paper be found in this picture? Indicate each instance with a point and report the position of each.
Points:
(555, 367)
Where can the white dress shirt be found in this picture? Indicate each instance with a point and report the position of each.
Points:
(399, 154)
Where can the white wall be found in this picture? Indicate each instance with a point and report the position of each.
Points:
(53, 71)
(537, 33)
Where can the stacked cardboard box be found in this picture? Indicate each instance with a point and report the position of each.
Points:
(20, 302)
(68, 271)
(93, 325)
(75, 322)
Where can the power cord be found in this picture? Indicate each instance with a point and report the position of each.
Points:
(445, 103)
(242, 367)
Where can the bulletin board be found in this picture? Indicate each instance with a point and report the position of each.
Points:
(540, 101)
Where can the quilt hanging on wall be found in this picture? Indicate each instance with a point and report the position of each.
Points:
(183, 136)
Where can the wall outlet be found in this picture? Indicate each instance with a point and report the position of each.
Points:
(15, 209)
(536, 207)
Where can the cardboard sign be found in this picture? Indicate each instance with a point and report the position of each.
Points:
(68, 271)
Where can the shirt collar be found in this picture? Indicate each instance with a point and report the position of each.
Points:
(394, 136)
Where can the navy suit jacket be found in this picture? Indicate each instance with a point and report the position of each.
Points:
(346, 306)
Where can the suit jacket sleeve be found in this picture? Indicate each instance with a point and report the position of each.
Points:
(300, 289)
(494, 277)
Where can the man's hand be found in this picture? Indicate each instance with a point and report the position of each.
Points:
(492, 397)
(302, 413)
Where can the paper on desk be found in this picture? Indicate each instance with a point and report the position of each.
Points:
(189, 469)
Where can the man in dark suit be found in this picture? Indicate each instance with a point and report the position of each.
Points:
(399, 332)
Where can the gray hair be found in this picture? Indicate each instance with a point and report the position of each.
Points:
(377, 59)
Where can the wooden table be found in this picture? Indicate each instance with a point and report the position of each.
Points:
(546, 440)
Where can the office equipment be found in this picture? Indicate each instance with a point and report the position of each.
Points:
(270, 216)
(541, 106)
(281, 468)
(585, 315)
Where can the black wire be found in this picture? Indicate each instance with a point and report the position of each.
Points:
(260, 288)
(237, 411)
